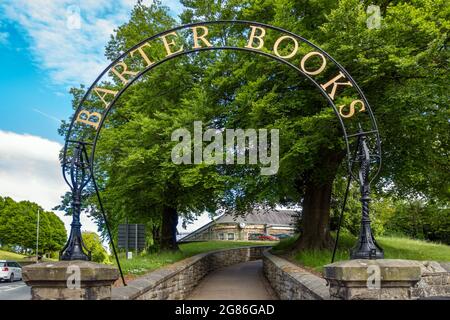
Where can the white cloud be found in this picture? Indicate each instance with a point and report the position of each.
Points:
(68, 37)
(4, 38)
(30, 170)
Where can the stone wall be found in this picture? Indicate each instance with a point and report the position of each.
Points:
(348, 280)
(176, 281)
(434, 280)
(291, 282)
(388, 279)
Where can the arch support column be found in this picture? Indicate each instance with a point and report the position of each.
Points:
(366, 246)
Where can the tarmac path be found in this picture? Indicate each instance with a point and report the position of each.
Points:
(243, 281)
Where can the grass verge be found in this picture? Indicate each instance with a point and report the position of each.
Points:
(147, 262)
(6, 255)
(394, 248)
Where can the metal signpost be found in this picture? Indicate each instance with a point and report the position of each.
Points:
(131, 236)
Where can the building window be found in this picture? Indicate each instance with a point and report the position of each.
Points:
(221, 236)
(231, 236)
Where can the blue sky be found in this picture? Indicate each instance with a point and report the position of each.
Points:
(44, 46)
(47, 47)
(30, 102)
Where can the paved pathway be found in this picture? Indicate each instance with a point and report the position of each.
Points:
(243, 281)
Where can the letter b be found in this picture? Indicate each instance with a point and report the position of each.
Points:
(253, 36)
(90, 118)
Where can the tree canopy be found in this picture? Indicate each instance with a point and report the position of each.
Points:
(18, 227)
(94, 245)
(402, 67)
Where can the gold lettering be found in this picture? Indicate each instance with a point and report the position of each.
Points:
(309, 55)
(202, 37)
(143, 54)
(171, 43)
(352, 109)
(89, 115)
(125, 71)
(335, 84)
(277, 43)
(259, 37)
(97, 90)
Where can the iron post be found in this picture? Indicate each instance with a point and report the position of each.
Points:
(75, 248)
(366, 246)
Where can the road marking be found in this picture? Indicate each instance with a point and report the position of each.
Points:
(11, 287)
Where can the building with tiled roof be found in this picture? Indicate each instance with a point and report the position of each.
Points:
(240, 227)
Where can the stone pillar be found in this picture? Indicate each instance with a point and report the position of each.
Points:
(70, 280)
(361, 279)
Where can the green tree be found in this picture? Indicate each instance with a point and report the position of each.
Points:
(94, 245)
(403, 69)
(383, 209)
(18, 221)
(422, 220)
(135, 172)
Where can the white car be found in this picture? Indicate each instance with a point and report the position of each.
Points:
(10, 270)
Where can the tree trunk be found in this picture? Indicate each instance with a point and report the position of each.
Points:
(315, 223)
(315, 218)
(156, 235)
(169, 229)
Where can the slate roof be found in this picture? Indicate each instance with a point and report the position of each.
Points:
(261, 216)
(256, 216)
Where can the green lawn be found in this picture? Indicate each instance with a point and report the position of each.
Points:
(20, 258)
(148, 262)
(5, 255)
(394, 248)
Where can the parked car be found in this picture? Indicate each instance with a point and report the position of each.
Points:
(255, 236)
(262, 236)
(10, 270)
(282, 236)
(268, 237)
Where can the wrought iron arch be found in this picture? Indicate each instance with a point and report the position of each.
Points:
(363, 151)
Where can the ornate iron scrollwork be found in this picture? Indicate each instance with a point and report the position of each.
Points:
(366, 247)
(75, 248)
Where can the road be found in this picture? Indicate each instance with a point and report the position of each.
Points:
(241, 281)
(17, 290)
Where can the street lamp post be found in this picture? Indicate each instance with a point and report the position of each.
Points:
(37, 237)
(75, 248)
(366, 246)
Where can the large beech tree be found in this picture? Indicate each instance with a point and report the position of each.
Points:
(137, 177)
(402, 67)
